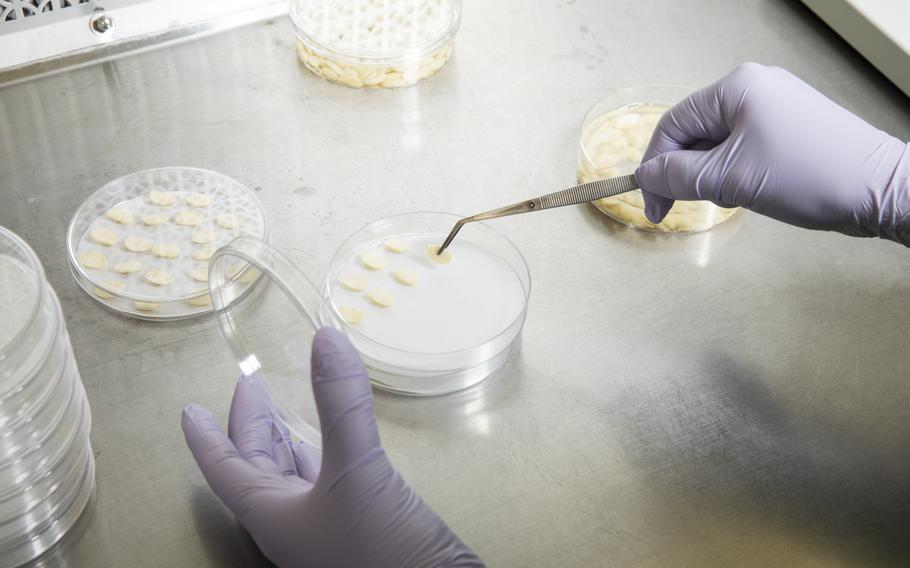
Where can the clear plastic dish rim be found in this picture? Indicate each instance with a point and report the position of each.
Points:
(30, 447)
(9, 395)
(373, 57)
(79, 271)
(619, 95)
(38, 274)
(34, 544)
(281, 270)
(77, 439)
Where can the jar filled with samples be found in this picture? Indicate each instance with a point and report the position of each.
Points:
(375, 43)
(614, 136)
(47, 469)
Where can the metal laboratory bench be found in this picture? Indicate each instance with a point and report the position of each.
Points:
(739, 397)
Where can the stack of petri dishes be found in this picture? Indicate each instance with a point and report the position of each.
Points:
(47, 469)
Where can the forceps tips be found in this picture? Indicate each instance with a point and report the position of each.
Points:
(451, 236)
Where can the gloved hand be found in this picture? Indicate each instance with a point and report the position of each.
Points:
(354, 510)
(780, 148)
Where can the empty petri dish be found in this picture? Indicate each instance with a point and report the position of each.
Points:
(269, 326)
(141, 244)
(425, 328)
(375, 43)
(614, 136)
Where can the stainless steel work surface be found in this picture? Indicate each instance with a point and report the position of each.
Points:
(734, 398)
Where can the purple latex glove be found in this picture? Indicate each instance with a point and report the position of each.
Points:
(780, 148)
(353, 510)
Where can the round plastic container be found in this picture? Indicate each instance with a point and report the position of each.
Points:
(270, 326)
(46, 461)
(614, 136)
(140, 245)
(448, 356)
(375, 43)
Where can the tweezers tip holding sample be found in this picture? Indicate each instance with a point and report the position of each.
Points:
(451, 236)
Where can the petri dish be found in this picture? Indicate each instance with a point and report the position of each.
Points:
(375, 44)
(140, 245)
(269, 326)
(614, 136)
(455, 325)
(443, 331)
(46, 461)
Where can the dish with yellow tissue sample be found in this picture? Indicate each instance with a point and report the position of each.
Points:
(614, 136)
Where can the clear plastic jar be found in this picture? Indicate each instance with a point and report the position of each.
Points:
(375, 43)
(614, 136)
(47, 469)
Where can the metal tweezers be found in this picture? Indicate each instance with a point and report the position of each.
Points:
(591, 191)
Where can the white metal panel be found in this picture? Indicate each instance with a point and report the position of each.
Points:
(878, 29)
(47, 34)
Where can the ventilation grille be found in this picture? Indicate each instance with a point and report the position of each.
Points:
(16, 9)
(43, 36)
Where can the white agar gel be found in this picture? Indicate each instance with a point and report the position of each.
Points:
(452, 307)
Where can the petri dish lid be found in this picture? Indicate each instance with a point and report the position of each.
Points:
(267, 310)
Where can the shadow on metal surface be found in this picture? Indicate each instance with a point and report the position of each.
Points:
(756, 459)
(226, 542)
